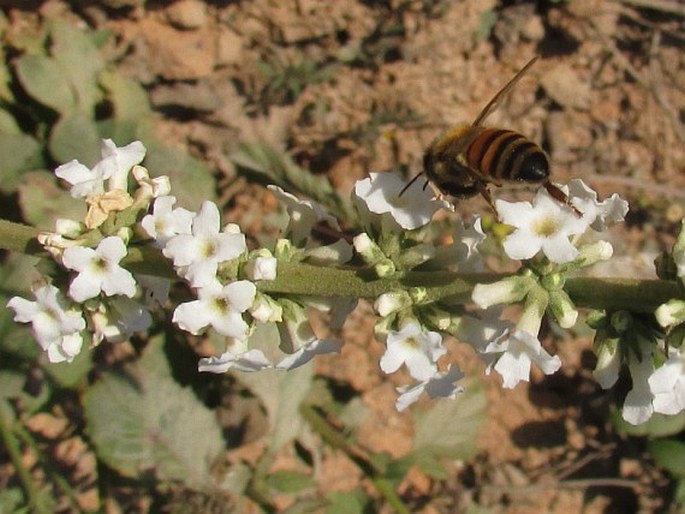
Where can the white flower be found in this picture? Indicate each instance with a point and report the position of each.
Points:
(118, 319)
(380, 192)
(55, 324)
(418, 350)
(84, 181)
(304, 214)
(150, 187)
(218, 306)
(517, 351)
(597, 214)
(248, 360)
(308, 352)
(166, 222)
(667, 384)
(117, 162)
(545, 225)
(637, 407)
(480, 331)
(440, 385)
(115, 165)
(464, 251)
(198, 254)
(608, 364)
(99, 270)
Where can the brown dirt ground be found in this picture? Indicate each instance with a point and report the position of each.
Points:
(606, 100)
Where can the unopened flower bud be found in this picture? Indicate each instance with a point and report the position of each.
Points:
(671, 313)
(505, 291)
(388, 303)
(608, 360)
(295, 329)
(621, 321)
(592, 253)
(68, 228)
(418, 294)
(553, 281)
(283, 250)
(384, 268)
(562, 309)
(262, 267)
(265, 309)
(367, 249)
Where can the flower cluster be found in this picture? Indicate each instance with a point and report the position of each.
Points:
(652, 348)
(112, 304)
(426, 291)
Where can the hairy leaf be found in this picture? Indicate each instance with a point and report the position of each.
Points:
(43, 79)
(146, 422)
(449, 428)
(75, 136)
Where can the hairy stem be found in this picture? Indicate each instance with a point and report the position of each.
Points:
(306, 279)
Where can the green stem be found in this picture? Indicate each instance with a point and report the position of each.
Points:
(335, 439)
(13, 450)
(307, 279)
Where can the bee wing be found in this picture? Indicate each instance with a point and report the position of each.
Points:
(497, 99)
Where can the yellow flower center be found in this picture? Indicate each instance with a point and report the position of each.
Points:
(546, 227)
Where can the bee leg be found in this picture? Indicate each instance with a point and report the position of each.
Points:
(485, 193)
(560, 196)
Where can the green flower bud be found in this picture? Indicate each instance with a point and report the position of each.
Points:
(621, 321)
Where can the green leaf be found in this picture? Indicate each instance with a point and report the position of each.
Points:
(145, 421)
(12, 383)
(42, 201)
(487, 21)
(129, 100)
(72, 374)
(347, 502)
(43, 80)
(659, 425)
(12, 501)
(450, 427)
(8, 124)
(281, 393)
(79, 60)
(669, 454)
(75, 136)
(275, 168)
(16, 275)
(18, 153)
(289, 481)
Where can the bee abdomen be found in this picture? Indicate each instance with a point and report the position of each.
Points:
(507, 155)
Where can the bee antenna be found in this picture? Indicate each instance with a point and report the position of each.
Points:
(410, 183)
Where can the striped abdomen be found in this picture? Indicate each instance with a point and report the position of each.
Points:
(506, 155)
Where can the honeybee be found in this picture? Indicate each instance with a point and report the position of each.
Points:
(465, 159)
